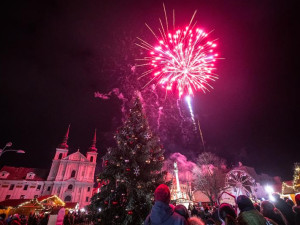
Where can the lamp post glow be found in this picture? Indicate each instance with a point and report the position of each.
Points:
(9, 144)
(270, 190)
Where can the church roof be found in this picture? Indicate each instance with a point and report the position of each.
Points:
(76, 156)
(20, 173)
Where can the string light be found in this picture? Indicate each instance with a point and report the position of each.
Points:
(56, 197)
(296, 184)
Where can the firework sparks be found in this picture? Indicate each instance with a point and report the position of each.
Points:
(182, 60)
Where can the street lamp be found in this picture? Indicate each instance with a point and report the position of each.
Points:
(9, 144)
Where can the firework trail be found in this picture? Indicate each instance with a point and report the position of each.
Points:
(117, 93)
(188, 100)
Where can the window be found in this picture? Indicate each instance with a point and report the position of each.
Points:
(7, 197)
(38, 187)
(30, 175)
(22, 196)
(89, 189)
(60, 156)
(70, 187)
(11, 187)
(58, 190)
(73, 173)
(68, 198)
(36, 196)
(92, 159)
(25, 187)
(49, 188)
(4, 174)
(87, 199)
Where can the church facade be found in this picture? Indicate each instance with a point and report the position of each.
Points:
(71, 177)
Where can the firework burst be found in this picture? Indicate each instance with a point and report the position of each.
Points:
(182, 59)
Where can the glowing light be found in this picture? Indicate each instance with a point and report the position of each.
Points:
(82, 210)
(269, 189)
(271, 197)
(181, 60)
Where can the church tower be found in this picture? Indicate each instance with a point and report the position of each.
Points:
(61, 152)
(91, 155)
(72, 175)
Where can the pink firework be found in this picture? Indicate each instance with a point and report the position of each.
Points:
(182, 60)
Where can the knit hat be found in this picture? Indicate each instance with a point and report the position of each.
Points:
(297, 199)
(162, 194)
(226, 209)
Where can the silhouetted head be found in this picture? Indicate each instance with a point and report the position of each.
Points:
(226, 209)
(267, 207)
(182, 210)
(290, 202)
(276, 196)
(244, 203)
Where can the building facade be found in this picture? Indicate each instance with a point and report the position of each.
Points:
(71, 177)
(21, 183)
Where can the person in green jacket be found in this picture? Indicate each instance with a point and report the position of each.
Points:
(249, 215)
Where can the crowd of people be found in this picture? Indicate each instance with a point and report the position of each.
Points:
(277, 212)
(32, 219)
(43, 218)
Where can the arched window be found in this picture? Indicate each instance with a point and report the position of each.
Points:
(68, 198)
(60, 156)
(73, 173)
(70, 187)
(92, 159)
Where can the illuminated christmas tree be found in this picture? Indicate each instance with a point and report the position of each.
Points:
(296, 180)
(131, 172)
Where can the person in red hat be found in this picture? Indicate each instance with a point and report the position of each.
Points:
(162, 213)
(296, 209)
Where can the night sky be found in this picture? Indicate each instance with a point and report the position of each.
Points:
(53, 55)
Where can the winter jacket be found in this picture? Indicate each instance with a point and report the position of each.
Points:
(297, 214)
(163, 214)
(251, 217)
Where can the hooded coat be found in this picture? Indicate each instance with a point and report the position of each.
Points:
(163, 214)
